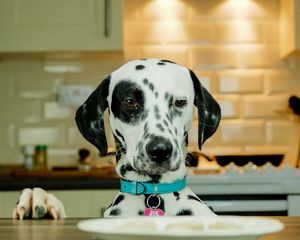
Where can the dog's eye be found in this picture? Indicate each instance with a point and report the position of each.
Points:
(130, 103)
(180, 103)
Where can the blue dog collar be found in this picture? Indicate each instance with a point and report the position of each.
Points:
(137, 188)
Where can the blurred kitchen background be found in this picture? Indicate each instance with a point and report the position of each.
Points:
(245, 52)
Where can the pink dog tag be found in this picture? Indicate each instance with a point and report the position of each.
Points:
(153, 212)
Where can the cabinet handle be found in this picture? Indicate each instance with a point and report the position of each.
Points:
(106, 18)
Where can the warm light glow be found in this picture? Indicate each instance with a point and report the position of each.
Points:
(169, 14)
(239, 9)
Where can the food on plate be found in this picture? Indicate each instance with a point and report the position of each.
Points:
(194, 226)
(222, 225)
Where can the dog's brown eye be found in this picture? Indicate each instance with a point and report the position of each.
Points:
(180, 103)
(130, 103)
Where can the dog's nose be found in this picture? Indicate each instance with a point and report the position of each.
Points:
(159, 149)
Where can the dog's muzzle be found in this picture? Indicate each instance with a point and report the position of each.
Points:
(159, 149)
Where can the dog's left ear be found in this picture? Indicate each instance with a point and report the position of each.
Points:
(209, 111)
(89, 117)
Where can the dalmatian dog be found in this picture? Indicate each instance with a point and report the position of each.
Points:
(150, 105)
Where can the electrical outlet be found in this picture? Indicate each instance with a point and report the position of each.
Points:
(73, 95)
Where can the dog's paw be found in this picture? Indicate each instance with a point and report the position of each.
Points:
(37, 203)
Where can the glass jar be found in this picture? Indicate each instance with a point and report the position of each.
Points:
(40, 157)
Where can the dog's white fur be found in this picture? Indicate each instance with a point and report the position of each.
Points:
(162, 79)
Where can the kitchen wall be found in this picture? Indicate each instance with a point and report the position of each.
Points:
(232, 46)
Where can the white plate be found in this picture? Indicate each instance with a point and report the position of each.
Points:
(225, 227)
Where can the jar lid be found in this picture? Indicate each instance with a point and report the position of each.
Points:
(41, 147)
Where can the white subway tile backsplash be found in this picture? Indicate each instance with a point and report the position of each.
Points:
(8, 133)
(37, 85)
(18, 111)
(7, 89)
(41, 135)
(213, 57)
(240, 81)
(152, 10)
(75, 139)
(53, 111)
(229, 106)
(283, 132)
(238, 31)
(241, 132)
(282, 81)
(257, 56)
(258, 106)
(178, 54)
(270, 32)
(220, 9)
(168, 32)
(10, 156)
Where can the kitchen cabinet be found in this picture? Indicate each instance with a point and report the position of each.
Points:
(55, 26)
(78, 203)
(289, 27)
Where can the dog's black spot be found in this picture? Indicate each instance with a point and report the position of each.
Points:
(161, 63)
(175, 154)
(167, 96)
(169, 117)
(119, 199)
(146, 129)
(168, 61)
(151, 87)
(139, 67)
(177, 166)
(176, 131)
(186, 138)
(174, 112)
(177, 195)
(155, 178)
(156, 112)
(115, 212)
(153, 202)
(191, 197)
(147, 135)
(184, 212)
(128, 90)
(171, 100)
(141, 213)
(165, 122)
(156, 94)
(125, 168)
(146, 81)
(160, 127)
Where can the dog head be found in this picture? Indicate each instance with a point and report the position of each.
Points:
(150, 104)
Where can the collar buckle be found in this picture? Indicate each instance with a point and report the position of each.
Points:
(137, 188)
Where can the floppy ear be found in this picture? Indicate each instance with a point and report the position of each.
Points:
(89, 117)
(209, 112)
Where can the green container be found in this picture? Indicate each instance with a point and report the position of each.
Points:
(40, 157)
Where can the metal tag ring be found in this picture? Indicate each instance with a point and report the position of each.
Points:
(153, 195)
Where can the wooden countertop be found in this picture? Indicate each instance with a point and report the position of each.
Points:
(17, 178)
(66, 229)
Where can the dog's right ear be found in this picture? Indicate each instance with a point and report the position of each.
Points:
(89, 117)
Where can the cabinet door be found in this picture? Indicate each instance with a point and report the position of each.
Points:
(85, 203)
(55, 25)
(8, 201)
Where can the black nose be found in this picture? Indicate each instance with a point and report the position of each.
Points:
(159, 149)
